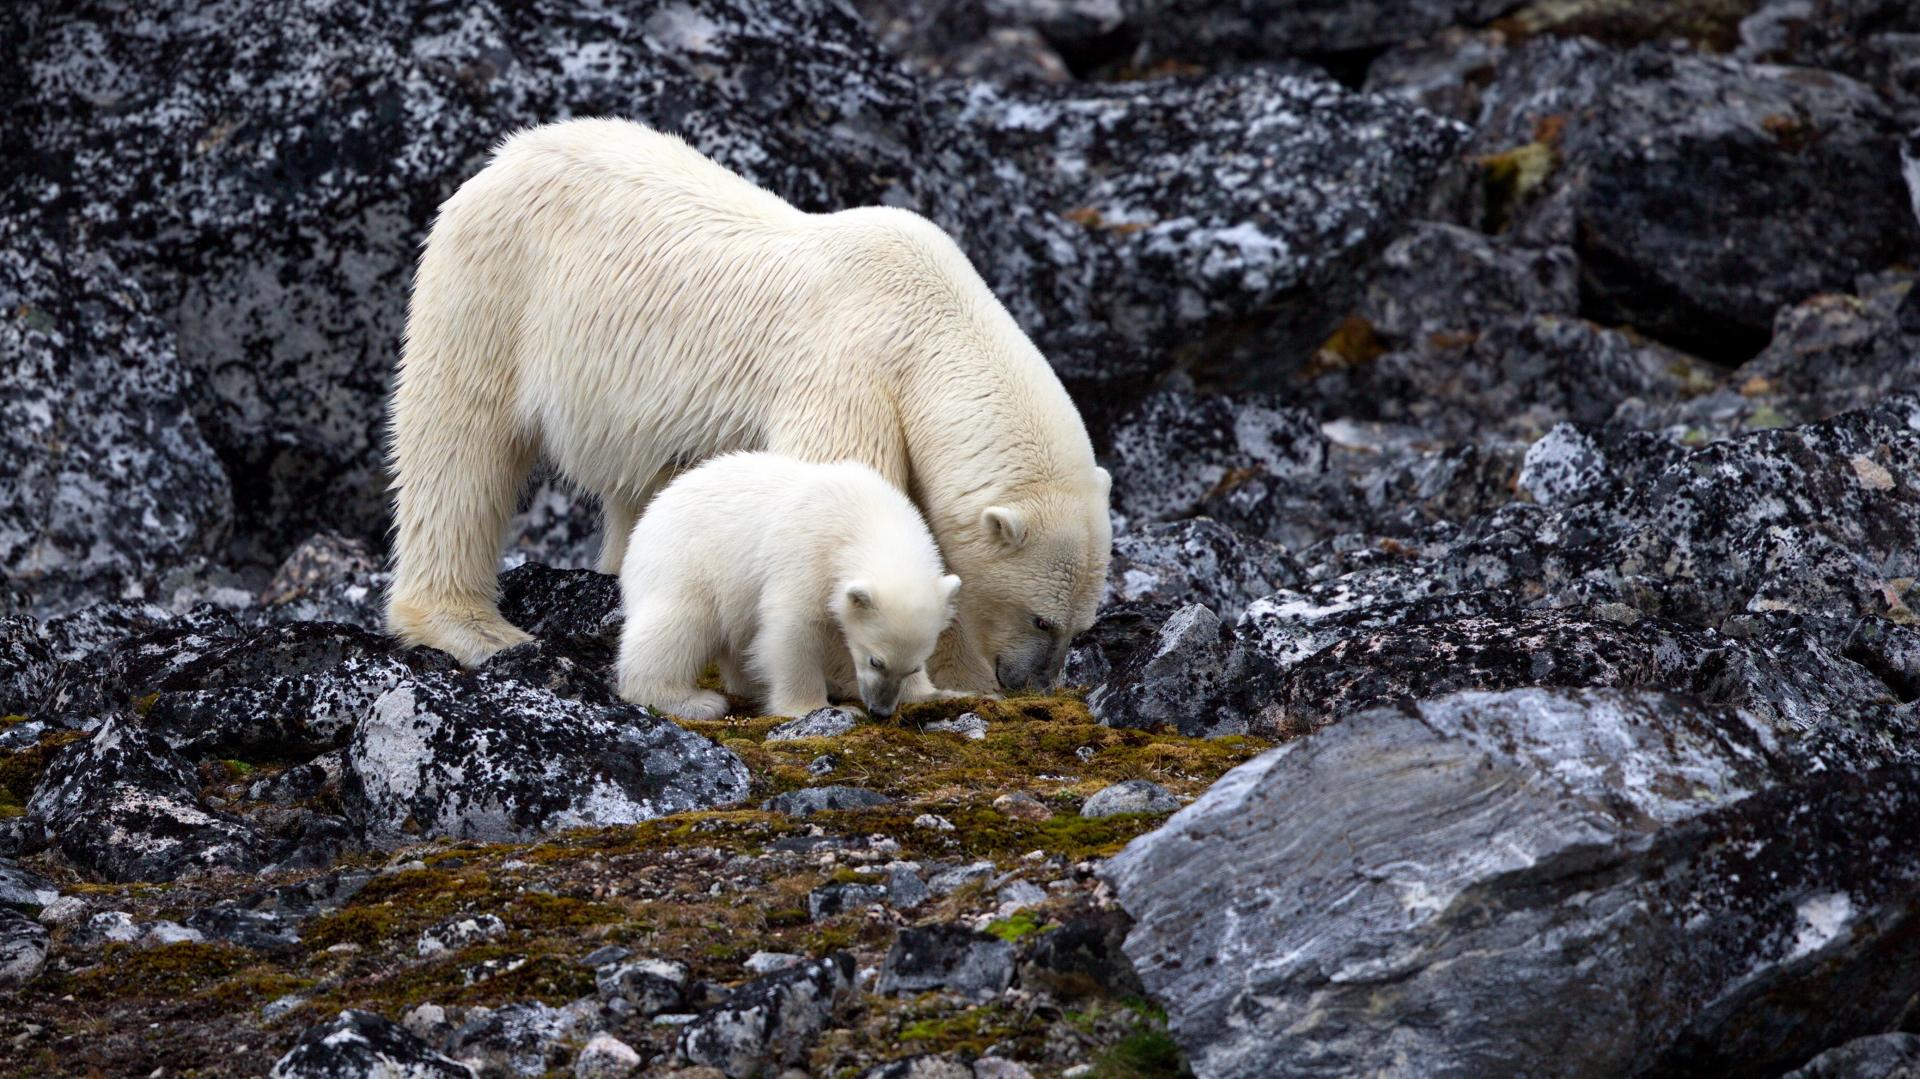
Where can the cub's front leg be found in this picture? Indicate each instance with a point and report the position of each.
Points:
(918, 687)
(788, 659)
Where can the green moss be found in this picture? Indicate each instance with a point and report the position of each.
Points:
(1509, 178)
(1021, 924)
(162, 972)
(1144, 1054)
(238, 769)
(971, 1032)
(144, 704)
(20, 770)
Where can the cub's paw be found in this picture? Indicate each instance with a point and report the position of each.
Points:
(699, 706)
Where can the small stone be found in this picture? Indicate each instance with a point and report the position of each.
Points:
(20, 888)
(933, 821)
(924, 1066)
(947, 957)
(279, 1006)
(999, 1068)
(968, 725)
(905, 889)
(810, 800)
(606, 1057)
(1078, 1071)
(601, 956)
(68, 910)
(949, 881)
(650, 986)
(767, 962)
(458, 933)
(112, 925)
(771, 1021)
(23, 948)
(829, 900)
(1020, 894)
(1022, 806)
(820, 723)
(1133, 796)
(265, 930)
(822, 765)
(426, 1022)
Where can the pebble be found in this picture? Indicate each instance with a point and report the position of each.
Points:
(1022, 806)
(1133, 796)
(606, 1057)
(968, 725)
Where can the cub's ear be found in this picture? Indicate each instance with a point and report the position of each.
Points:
(949, 588)
(1102, 481)
(859, 596)
(1007, 527)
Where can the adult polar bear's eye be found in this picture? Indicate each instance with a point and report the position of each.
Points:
(1044, 625)
(874, 662)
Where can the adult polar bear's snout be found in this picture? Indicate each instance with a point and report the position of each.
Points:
(604, 296)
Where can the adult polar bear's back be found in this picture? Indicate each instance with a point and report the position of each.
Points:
(605, 295)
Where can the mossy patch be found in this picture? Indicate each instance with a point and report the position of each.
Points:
(20, 770)
(1145, 1054)
(160, 972)
(1022, 923)
(1508, 180)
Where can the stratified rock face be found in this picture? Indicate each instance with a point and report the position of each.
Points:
(484, 757)
(360, 1044)
(270, 188)
(1882, 1056)
(1625, 879)
(1194, 676)
(23, 948)
(107, 484)
(1701, 193)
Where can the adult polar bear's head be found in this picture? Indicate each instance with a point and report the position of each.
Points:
(1036, 568)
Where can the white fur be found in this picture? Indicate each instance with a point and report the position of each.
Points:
(804, 581)
(604, 295)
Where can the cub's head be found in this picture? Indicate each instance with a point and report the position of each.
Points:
(1036, 571)
(891, 625)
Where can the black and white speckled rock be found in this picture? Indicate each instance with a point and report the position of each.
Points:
(1177, 446)
(329, 578)
(1201, 32)
(264, 930)
(837, 897)
(1875, 41)
(126, 806)
(520, 1039)
(650, 986)
(1526, 872)
(1195, 677)
(24, 888)
(1131, 796)
(457, 933)
(1702, 193)
(1200, 561)
(819, 723)
(359, 1044)
(26, 666)
(1441, 277)
(770, 1023)
(548, 602)
(482, 757)
(108, 483)
(950, 958)
(24, 944)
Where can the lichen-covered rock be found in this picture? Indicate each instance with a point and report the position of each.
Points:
(1441, 277)
(1084, 955)
(1177, 446)
(26, 666)
(950, 958)
(1195, 676)
(831, 900)
(1200, 561)
(650, 986)
(1702, 193)
(548, 602)
(482, 757)
(1522, 872)
(810, 800)
(519, 1039)
(1875, 41)
(605, 1057)
(360, 1044)
(919, 1066)
(1119, 631)
(126, 806)
(1197, 31)
(108, 483)
(819, 723)
(1132, 796)
(265, 930)
(24, 888)
(458, 933)
(770, 1023)
(329, 578)
(23, 948)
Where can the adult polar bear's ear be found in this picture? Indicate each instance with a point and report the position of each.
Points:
(1102, 481)
(949, 589)
(1006, 526)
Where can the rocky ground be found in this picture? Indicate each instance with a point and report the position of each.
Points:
(1514, 411)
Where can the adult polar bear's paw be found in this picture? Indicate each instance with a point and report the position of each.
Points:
(470, 632)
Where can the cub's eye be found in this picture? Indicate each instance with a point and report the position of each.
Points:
(1044, 625)
(874, 662)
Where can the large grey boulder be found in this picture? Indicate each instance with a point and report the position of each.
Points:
(1197, 560)
(481, 756)
(359, 1044)
(1530, 882)
(108, 483)
(769, 1023)
(1881, 1056)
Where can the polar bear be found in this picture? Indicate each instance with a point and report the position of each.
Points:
(799, 579)
(602, 294)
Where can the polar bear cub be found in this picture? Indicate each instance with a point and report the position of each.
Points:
(802, 581)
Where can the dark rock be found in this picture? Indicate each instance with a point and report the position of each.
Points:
(905, 889)
(457, 933)
(315, 895)
(651, 986)
(1875, 41)
(1197, 561)
(830, 900)
(24, 888)
(919, 1066)
(359, 1044)
(807, 801)
(518, 1039)
(950, 958)
(1444, 73)
(1196, 31)
(548, 602)
(329, 578)
(1082, 956)
(108, 484)
(1880, 1056)
(1441, 277)
(1176, 447)
(1650, 880)
(1117, 633)
(770, 1023)
(126, 806)
(26, 666)
(476, 756)
(22, 836)
(1195, 677)
(1701, 193)
(87, 630)
(573, 667)
(23, 948)
(265, 930)
(1130, 796)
